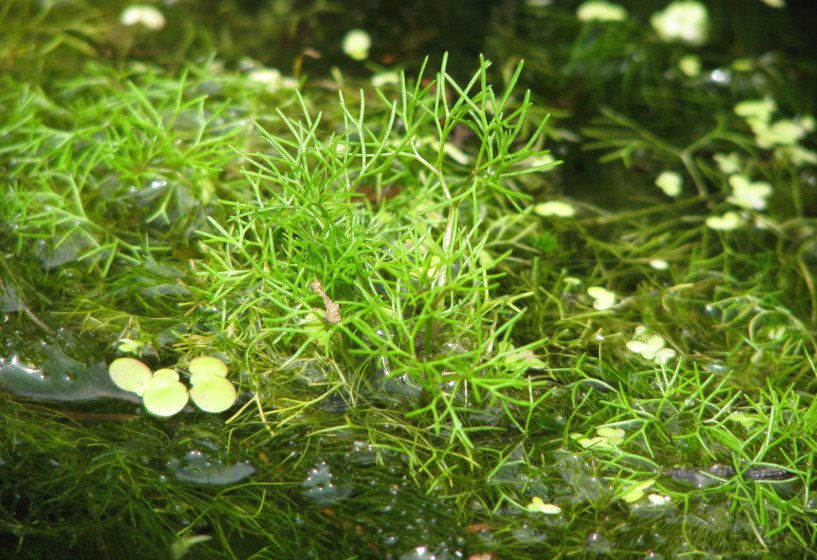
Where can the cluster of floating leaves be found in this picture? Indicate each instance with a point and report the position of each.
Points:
(164, 395)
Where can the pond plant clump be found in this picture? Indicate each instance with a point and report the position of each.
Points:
(509, 310)
(164, 395)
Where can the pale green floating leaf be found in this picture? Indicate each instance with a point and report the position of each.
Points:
(613, 435)
(166, 374)
(642, 348)
(658, 499)
(386, 78)
(144, 14)
(130, 374)
(758, 109)
(745, 420)
(664, 356)
(555, 208)
(603, 298)
(671, 183)
(727, 222)
(797, 155)
(211, 392)
(728, 163)
(784, 132)
(179, 548)
(538, 505)
(636, 492)
(690, 65)
(751, 196)
(597, 442)
(682, 20)
(207, 364)
(272, 79)
(599, 10)
(659, 264)
(356, 44)
(523, 358)
(128, 346)
(163, 397)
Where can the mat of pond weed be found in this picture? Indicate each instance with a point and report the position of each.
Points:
(483, 280)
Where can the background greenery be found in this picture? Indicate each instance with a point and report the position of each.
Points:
(154, 189)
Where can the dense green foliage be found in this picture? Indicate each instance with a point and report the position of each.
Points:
(430, 363)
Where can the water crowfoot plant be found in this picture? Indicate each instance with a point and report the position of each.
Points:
(497, 363)
(417, 287)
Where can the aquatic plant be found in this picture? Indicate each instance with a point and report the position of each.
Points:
(164, 395)
(405, 301)
(414, 287)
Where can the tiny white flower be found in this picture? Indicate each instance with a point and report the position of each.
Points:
(601, 11)
(690, 65)
(147, 15)
(727, 222)
(659, 264)
(356, 44)
(555, 208)
(775, 3)
(750, 196)
(682, 20)
(603, 298)
(671, 183)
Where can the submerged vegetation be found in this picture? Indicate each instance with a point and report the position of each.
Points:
(565, 307)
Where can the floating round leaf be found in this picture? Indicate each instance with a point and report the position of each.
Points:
(207, 364)
(166, 374)
(130, 374)
(212, 393)
(163, 397)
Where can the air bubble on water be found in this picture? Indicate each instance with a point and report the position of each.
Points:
(419, 553)
(390, 540)
(200, 467)
(597, 542)
(320, 486)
